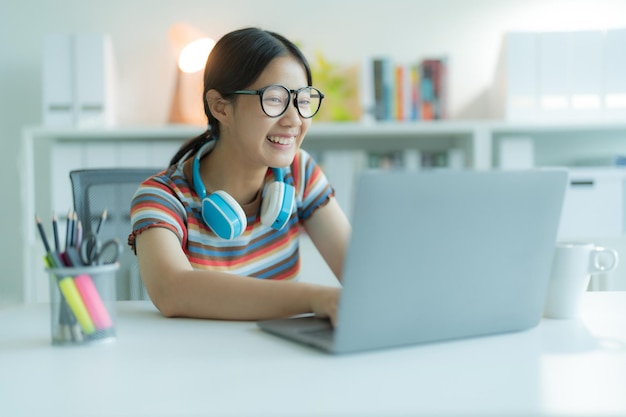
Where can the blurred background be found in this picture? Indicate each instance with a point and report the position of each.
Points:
(469, 33)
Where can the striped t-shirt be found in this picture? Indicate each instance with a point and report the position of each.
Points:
(168, 200)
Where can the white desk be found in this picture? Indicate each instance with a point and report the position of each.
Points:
(180, 367)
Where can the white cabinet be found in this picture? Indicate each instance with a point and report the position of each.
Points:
(597, 196)
(564, 144)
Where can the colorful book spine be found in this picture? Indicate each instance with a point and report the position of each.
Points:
(408, 92)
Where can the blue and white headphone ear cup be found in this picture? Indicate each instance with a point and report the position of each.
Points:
(277, 204)
(224, 215)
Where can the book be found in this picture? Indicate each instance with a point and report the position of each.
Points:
(410, 91)
(602, 161)
(391, 160)
(379, 96)
(433, 88)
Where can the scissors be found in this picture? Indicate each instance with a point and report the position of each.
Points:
(95, 252)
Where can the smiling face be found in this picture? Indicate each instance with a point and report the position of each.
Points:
(262, 140)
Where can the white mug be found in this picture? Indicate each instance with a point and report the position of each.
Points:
(572, 266)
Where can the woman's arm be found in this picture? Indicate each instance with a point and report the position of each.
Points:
(177, 290)
(329, 229)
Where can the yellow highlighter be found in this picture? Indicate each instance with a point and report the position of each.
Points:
(74, 300)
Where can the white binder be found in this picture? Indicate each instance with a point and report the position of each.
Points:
(585, 62)
(78, 80)
(57, 80)
(553, 79)
(615, 74)
(521, 75)
(94, 80)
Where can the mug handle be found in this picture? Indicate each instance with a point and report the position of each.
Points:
(596, 259)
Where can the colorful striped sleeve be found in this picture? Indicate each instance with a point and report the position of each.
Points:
(155, 204)
(312, 186)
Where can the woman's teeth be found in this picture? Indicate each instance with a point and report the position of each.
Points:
(281, 140)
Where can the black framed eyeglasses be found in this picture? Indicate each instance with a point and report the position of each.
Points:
(275, 99)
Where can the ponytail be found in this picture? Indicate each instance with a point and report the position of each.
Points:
(192, 146)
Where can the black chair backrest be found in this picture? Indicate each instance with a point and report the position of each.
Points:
(111, 189)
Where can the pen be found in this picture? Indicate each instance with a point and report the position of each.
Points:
(79, 233)
(64, 329)
(72, 226)
(101, 221)
(94, 304)
(88, 292)
(68, 228)
(84, 283)
(53, 258)
(55, 230)
(72, 296)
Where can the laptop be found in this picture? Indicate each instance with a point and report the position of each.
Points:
(440, 255)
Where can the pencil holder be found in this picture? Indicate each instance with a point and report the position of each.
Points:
(82, 304)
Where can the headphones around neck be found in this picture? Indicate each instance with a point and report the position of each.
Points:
(225, 217)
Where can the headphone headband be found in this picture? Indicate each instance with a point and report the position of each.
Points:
(222, 214)
(197, 181)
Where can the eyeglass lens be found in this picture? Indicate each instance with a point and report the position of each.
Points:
(275, 100)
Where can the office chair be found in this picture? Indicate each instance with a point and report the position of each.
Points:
(111, 189)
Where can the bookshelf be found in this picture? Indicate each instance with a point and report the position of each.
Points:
(49, 154)
(565, 143)
(343, 149)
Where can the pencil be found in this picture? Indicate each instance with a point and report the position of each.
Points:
(55, 230)
(68, 229)
(74, 228)
(42, 233)
(70, 225)
(101, 222)
(79, 233)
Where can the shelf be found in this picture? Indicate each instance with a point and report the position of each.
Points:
(50, 153)
(501, 127)
(122, 133)
(431, 128)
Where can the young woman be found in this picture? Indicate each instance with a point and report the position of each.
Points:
(216, 234)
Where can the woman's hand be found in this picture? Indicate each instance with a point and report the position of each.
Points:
(324, 302)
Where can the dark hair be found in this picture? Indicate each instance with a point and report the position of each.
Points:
(234, 63)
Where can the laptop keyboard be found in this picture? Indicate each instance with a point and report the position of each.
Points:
(323, 334)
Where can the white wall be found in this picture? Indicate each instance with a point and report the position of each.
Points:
(470, 32)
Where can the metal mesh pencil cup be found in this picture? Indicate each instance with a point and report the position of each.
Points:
(82, 304)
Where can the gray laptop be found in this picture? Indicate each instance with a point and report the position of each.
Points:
(440, 255)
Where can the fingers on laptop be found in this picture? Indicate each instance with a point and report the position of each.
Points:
(324, 303)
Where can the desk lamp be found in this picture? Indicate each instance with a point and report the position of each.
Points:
(192, 49)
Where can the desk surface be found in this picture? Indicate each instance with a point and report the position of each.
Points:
(184, 367)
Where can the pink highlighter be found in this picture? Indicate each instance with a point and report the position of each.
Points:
(93, 302)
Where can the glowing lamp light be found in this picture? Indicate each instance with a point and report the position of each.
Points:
(193, 56)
